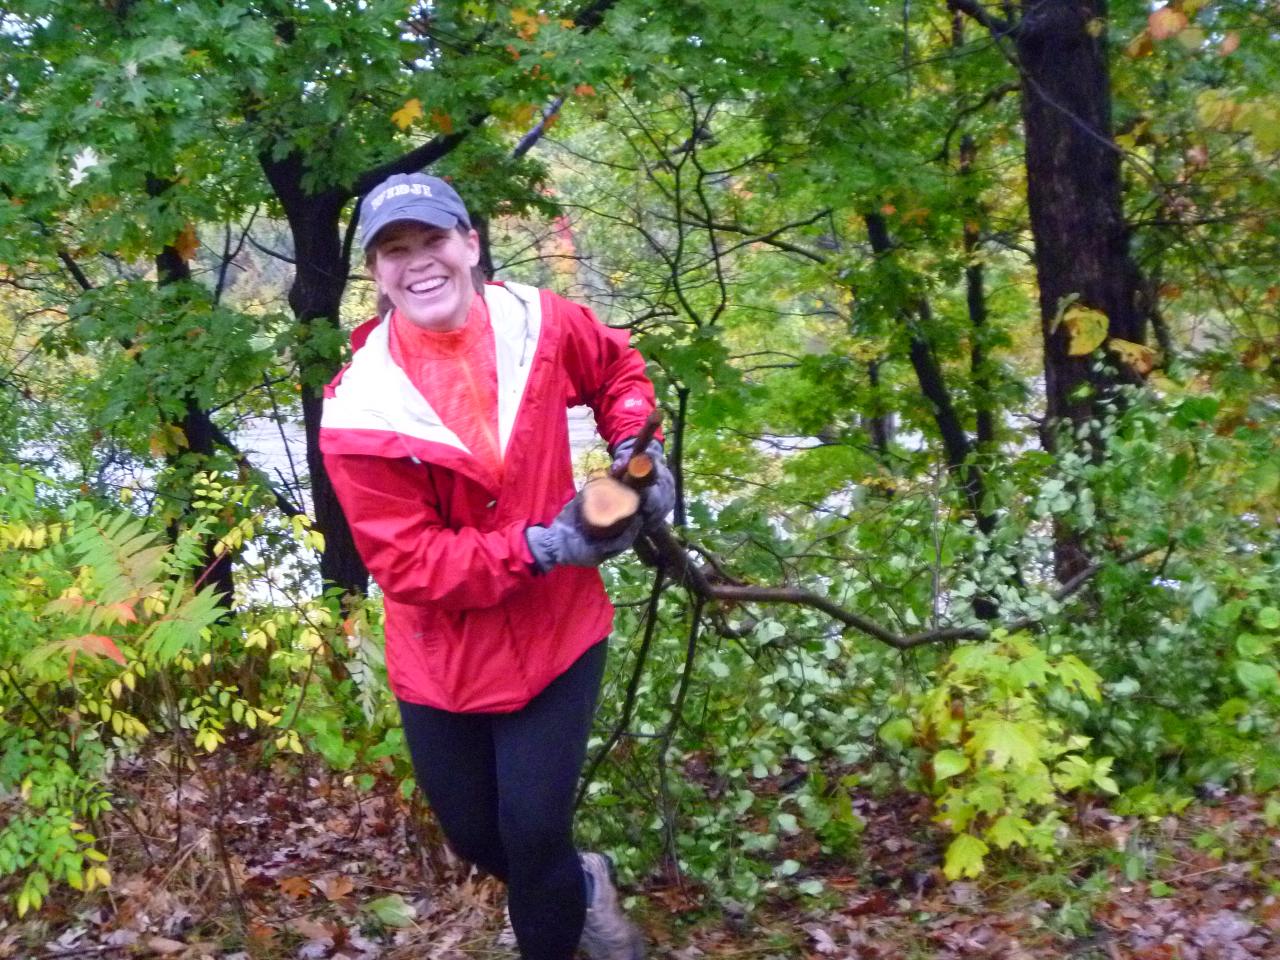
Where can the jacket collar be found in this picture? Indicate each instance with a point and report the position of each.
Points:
(373, 407)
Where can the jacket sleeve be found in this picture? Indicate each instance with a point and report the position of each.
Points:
(414, 557)
(606, 373)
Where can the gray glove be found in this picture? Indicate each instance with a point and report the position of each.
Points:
(659, 498)
(565, 542)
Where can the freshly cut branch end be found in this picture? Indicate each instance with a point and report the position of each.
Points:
(639, 472)
(607, 506)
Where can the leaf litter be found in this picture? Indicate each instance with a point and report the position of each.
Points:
(326, 872)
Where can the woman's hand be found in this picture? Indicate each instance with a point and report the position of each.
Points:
(566, 543)
(659, 498)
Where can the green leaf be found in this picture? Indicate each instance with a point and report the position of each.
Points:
(1258, 678)
(787, 823)
(1009, 830)
(1001, 742)
(1072, 771)
(392, 910)
(964, 857)
(1074, 673)
(1269, 618)
(898, 733)
(1252, 645)
(949, 763)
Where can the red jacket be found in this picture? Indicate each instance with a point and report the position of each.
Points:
(470, 627)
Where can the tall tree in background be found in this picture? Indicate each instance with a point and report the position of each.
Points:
(1074, 195)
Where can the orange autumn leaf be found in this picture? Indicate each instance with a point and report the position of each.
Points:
(123, 613)
(187, 242)
(1230, 44)
(1140, 46)
(1166, 22)
(442, 121)
(337, 887)
(296, 887)
(526, 23)
(585, 90)
(94, 644)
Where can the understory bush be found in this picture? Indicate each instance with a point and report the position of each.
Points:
(1151, 678)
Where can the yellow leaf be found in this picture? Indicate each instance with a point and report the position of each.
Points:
(1140, 46)
(1191, 39)
(522, 115)
(1095, 27)
(1263, 121)
(526, 23)
(1216, 109)
(1138, 357)
(1086, 329)
(1166, 22)
(187, 243)
(411, 111)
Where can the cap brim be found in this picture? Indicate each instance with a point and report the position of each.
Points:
(441, 221)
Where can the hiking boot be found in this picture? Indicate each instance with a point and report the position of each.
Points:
(607, 934)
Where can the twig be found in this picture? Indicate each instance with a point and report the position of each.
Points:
(633, 686)
(997, 25)
(664, 747)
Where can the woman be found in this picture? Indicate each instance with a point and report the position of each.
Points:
(447, 443)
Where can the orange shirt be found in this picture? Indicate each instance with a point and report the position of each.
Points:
(456, 371)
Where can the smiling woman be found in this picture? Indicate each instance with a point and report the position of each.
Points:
(426, 272)
(447, 444)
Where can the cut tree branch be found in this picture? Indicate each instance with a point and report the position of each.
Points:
(663, 545)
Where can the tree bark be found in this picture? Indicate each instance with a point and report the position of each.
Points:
(196, 424)
(956, 444)
(1076, 211)
(1074, 195)
(976, 301)
(315, 297)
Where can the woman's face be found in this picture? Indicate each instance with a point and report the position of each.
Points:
(426, 272)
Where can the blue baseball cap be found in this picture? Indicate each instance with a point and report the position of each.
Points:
(410, 196)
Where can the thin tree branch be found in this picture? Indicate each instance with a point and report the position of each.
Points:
(287, 506)
(633, 687)
(998, 26)
(675, 560)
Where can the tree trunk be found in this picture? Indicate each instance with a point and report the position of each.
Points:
(1074, 194)
(197, 426)
(320, 278)
(956, 444)
(976, 300)
(1077, 218)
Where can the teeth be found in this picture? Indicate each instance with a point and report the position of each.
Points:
(427, 286)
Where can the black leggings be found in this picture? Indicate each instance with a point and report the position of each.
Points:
(502, 786)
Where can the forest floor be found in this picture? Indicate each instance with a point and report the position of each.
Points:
(322, 871)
